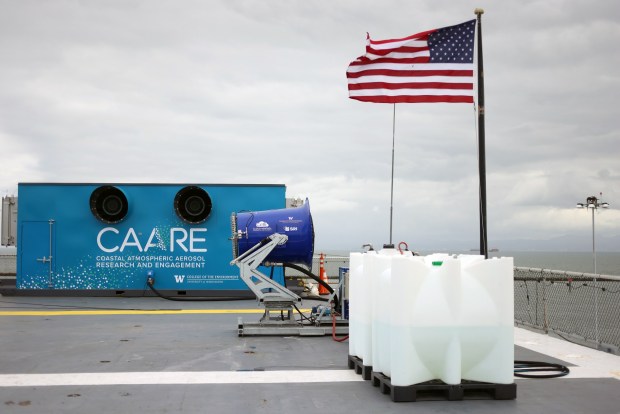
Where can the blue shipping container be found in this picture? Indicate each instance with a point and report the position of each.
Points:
(106, 237)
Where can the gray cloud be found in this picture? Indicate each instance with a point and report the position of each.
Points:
(242, 91)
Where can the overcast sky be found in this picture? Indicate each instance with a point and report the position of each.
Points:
(237, 91)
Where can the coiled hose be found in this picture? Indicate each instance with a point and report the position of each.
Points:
(534, 366)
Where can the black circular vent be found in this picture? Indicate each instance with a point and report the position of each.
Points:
(108, 204)
(192, 204)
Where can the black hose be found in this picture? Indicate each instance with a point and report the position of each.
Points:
(150, 282)
(316, 279)
(303, 317)
(311, 275)
(317, 298)
(535, 366)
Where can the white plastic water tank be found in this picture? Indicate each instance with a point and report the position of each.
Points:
(380, 285)
(355, 280)
(366, 306)
(486, 321)
(408, 275)
(450, 318)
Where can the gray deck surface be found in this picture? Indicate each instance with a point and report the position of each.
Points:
(104, 343)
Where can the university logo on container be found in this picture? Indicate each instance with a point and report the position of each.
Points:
(432, 66)
(262, 226)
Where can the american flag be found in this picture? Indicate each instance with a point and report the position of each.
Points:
(432, 66)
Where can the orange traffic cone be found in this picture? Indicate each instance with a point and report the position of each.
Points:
(323, 276)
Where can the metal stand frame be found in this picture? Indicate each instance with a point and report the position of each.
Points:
(279, 302)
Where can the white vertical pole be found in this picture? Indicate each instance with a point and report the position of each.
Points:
(392, 182)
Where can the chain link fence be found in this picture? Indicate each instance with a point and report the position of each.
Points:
(578, 307)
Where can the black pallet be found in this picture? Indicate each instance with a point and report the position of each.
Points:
(360, 369)
(438, 390)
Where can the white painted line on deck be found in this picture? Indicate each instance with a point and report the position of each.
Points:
(589, 362)
(179, 378)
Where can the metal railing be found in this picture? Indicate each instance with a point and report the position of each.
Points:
(332, 264)
(578, 307)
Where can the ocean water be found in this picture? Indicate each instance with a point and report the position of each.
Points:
(607, 263)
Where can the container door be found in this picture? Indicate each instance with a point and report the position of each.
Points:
(37, 255)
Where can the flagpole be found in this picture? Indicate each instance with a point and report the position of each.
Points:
(392, 182)
(484, 249)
